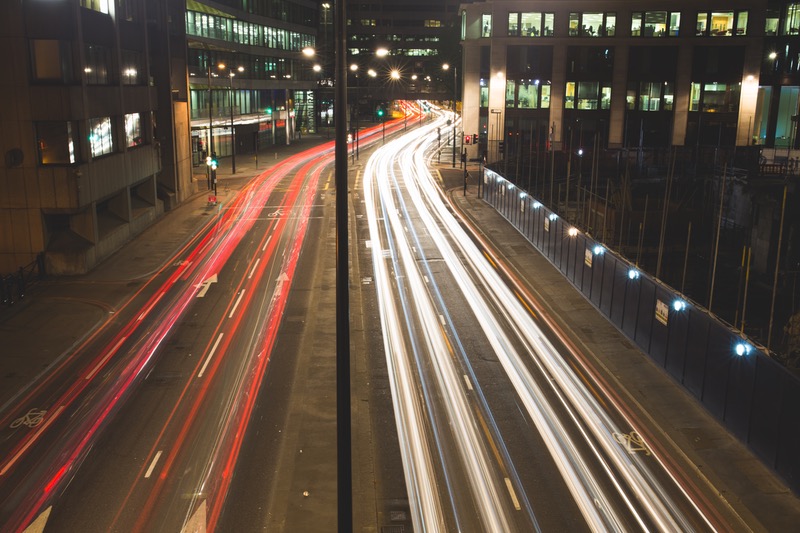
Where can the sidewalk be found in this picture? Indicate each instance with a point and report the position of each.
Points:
(58, 312)
(686, 428)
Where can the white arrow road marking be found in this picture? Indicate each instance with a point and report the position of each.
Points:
(205, 286)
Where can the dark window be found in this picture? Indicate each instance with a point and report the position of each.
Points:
(56, 143)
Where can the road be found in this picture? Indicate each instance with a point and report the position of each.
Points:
(140, 427)
(500, 427)
(206, 400)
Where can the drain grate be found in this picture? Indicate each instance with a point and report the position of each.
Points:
(393, 529)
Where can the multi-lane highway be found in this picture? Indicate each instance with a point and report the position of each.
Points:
(140, 428)
(500, 427)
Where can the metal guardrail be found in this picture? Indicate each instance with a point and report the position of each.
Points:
(14, 286)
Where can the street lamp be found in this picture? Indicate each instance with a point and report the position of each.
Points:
(231, 74)
(211, 153)
(446, 66)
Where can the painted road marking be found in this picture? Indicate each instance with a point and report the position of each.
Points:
(633, 442)
(204, 286)
(513, 494)
(210, 355)
(468, 382)
(152, 465)
(28, 444)
(239, 299)
(264, 248)
(254, 268)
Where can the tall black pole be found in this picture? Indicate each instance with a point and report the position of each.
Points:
(343, 428)
(233, 132)
(211, 151)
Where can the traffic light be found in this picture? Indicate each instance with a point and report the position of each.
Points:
(380, 112)
(268, 111)
(467, 139)
(474, 138)
(502, 147)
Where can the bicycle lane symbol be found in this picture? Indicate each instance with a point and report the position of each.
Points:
(633, 442)
(31, 419)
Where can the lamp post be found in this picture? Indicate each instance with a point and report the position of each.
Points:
(446, 66)
(231, 74)
(211, 153)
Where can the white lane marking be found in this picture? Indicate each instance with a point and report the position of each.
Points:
(513, 494)
(264, 248)
(152, 465)
(210, 355)
(441, 319)
(28, 444)
(254, 268)
(468, 382)
(146, 311)
(111, 352)
(239, 299)
(426, 279)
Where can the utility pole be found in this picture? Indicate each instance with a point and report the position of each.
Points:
(344, 460)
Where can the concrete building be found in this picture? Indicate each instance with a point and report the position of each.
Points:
(595, 107)
(248, 72)
(94, 130)
(649, 73)
(108, 109)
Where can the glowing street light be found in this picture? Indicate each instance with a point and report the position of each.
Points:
(231, 74)
(395, 74)
(381, 52)
(309, 52)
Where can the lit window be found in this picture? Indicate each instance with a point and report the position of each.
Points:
(96, 5)
(771, 22)
(723, 23)
(486, 25)
(133, 130)
(101, 139)
(655, 24)
(792, 23)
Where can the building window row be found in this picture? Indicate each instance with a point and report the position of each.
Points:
(58, 140)
(238, 31)
(643, 23)
(722, 23)
(655, 24)
(714, 97)
(592, 24)
(52, 61)
(255, 67)
(650, 96)
(587, 95)
(593, 95)
(527, 94)
(530, 24)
